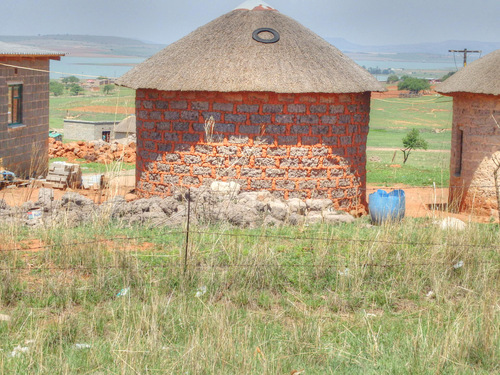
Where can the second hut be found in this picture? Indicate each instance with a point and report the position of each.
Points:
(256, 98)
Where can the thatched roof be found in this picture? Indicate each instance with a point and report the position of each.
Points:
(127, 125)
(479, 77)
(9, 49)
(223, 56)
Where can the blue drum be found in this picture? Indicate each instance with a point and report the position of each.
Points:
(387, 207)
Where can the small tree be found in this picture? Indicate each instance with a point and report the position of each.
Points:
(413, 84)
(413, 141)
(392, 78)
(108, 88)
(70, 80)
(75, 89)
(56, 88)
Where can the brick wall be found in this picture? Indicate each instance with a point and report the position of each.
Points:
(295, 145)
(477, 135)
(24, 148)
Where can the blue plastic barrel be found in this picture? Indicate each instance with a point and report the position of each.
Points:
(387, 207)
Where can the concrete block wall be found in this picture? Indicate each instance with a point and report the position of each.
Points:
(80, 130)
(24, 148)
(294, 145)
(472, 184)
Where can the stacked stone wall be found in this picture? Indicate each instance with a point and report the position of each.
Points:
(294, 145)
(475, 139)
(24, 147)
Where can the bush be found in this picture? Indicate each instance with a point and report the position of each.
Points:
(413, 84)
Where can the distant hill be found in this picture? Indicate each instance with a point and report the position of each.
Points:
(434, 48)
(92, 45)
(88, 45)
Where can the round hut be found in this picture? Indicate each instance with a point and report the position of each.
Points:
(256, 98)
(475, 142)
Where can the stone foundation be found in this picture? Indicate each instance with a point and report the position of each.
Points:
(293, 145)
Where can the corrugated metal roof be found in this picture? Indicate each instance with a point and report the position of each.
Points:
(9, 49)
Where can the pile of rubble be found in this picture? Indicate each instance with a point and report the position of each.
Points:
(219, 203)
(96, 151)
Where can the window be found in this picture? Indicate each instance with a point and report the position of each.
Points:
(15, 104)
(460, 146)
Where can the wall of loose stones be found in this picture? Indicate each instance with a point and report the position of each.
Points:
(294, 145)
(471, 165)
(24, 148)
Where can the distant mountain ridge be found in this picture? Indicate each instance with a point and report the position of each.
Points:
(94, 45)
(435, 48)
(87, 45)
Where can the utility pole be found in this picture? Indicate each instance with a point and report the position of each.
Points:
(465, 51)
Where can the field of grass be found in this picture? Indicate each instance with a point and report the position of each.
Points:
(423, 168)
(90, 168)
(351, 299)
(392, 118)
(61, 106)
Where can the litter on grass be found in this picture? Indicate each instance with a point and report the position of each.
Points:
(201, 291)
(123, 292)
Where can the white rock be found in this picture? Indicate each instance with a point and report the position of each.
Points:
(297, 206)
(4, 318)
(452, 223)
(318, 204)
(334, 218)
(278, 210)
(225, 187)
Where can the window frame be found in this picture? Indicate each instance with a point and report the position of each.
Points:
(14, 118)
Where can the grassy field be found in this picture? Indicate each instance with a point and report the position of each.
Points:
(64, 105)
(352, 299)
(392, 118)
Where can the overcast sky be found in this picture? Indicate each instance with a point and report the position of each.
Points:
(367, 22)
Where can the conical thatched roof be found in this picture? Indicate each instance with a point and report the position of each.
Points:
(127, 125)
(479, 77)
(224, 56)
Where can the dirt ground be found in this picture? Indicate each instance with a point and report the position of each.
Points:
(420, 202)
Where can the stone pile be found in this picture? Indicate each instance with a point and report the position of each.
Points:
(216, 204)
(97, 151)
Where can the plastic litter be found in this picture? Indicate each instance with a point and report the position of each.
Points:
(123, 292)
(82, 346)
(458, 265)
(19, 350)
(201, 291)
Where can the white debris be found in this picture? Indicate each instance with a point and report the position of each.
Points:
(201, 291)
(459, 264)
(18, 350)
(345, 272)
(5, 318)
(82, 346)
(123, 292)
(431, 294)
(231, 188)
(451, 223)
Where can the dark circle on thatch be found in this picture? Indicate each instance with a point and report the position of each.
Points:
(276, 35)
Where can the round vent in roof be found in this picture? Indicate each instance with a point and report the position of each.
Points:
(256, 35)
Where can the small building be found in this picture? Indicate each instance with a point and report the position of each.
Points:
(475, 132)
(125, 129)
(81, 130)
(256, 98)
(24, 108)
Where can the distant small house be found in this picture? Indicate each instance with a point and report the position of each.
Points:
(476, 132)
(125, 128)
(24, 108)
(88, 130)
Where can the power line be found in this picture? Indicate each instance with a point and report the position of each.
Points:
(465, 51)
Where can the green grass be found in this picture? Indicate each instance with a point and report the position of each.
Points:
(61, 106)
(421, 169)
(90, 168)
(392, 118)
(274, 303)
